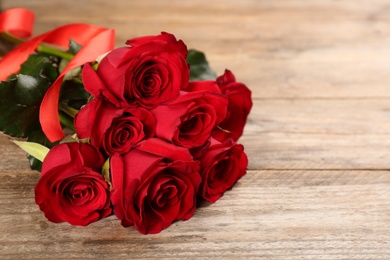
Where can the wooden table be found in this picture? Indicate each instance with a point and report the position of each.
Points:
(318, 137)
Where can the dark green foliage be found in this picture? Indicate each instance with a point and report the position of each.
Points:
(199, 67)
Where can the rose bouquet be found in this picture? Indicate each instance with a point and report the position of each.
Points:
(142, 131)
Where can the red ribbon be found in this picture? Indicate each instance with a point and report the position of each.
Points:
(17, 21)
(94, 39)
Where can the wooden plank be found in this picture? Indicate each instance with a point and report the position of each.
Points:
(320, 116)
(280, 49)
(318, 134)
(268, 214)
(317, 151)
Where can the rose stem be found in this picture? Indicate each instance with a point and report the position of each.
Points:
(10, 38)
(68, 110)
(64, 119)
(66, 115)
(44, 48)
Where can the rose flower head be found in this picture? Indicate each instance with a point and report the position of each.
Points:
(150, 71)
(153, 185)
(112, 129)
(188, 120)
(71, 187)
(222, 164)
(240, 104)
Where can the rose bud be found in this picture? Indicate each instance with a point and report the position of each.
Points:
(220, 167)
(71, 188)
(153, 185)
(240, 104)
(111, 129)
(188, 120)
(152, 70)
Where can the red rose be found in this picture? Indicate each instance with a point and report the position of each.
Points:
(112, 129)
(71, 188)
(188, 120)
(220, 167)
(150, 72)
(240, 104)
(154, 185)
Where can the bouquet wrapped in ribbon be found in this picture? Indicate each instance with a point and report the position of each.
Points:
(142, 131)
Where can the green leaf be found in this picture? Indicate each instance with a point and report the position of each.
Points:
(68, 139)
(106, 172)
(199, 67)
(37, 150)
(35, 164)
(73, 94)
(38, 137)
(19, 104)
(40, 65)
(63, 63)
(30, 90)
(21, 96)
(74, 47)
(76, 72)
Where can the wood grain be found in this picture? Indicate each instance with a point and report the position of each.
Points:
(284, 48)
(268, 214)
(318, 134)
(318, 137)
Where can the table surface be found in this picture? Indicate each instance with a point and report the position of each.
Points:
(318, 136)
